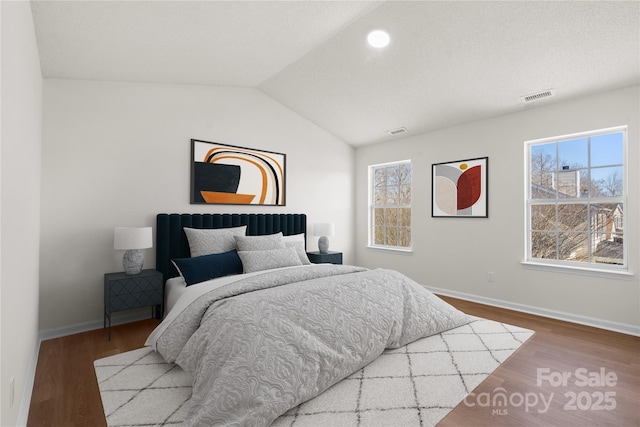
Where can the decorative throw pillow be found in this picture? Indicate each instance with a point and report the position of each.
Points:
(265, 260)
(297, 241)
(206, 241)
(259, 243)
(207, 267)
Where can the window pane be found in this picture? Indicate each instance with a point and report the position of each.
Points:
(606, 150)
(404, 217)
(543, 217)
(574, 153)
(391, 217)
(606, 182)
(608, 249)
(568, 183)
(543, 192)
(405, 195)
(543, 167)
(392, 176)
(405, 237)
(607, 218)
(543, 245)
(379, 177)
(378, 216)
(392, 195)
(573, 217)
(392, 236)
(379, 196)
(378, 235)
(618, 217)
(584, 187)
(379, 187)
(404, 171)
(573, 247)
(604, 216)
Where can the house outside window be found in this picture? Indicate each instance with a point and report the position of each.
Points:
(390, 205)
(575, 200)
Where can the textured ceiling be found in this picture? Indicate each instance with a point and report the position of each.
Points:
(448, 62)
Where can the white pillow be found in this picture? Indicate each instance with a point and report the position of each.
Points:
(266, 260)
(259, 243)
(297, 241)
(207, 241)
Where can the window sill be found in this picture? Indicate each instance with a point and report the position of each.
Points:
(586, 271)
(391, 249)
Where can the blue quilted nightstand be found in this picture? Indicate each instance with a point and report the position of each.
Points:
(127, 291)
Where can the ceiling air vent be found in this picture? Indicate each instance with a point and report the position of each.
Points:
(397, 131)
(537, 96)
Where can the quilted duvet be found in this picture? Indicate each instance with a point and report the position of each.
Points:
(261, 345)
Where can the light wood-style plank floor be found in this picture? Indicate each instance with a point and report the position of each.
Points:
(66, 392)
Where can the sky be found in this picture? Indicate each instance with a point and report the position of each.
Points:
(606, 150)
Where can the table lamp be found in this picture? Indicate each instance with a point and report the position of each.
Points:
(132, 240)
(323, 229)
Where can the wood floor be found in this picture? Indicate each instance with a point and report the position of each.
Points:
(66, 392)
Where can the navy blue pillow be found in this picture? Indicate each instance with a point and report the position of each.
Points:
(206, 267)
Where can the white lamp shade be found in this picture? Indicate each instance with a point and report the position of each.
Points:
(323, 229)
(132, 238)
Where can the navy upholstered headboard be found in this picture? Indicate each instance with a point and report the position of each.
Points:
(171, 241)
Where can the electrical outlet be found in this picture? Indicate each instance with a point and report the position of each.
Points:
(12, 383)
(490, 277)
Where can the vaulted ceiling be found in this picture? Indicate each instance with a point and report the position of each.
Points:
(449, 62)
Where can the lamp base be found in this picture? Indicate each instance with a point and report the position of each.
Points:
(323, 244)
(132, 261)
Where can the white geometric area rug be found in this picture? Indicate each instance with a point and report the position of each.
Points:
(416, 385)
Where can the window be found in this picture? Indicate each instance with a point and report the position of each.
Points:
(390, 205)
(576, 193)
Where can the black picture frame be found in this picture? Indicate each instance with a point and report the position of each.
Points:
(460, 188)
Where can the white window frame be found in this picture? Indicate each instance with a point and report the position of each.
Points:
(370, 206)
(529, 202)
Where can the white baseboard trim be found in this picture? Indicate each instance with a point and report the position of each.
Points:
(23, 413)
(553, 314)
(90, 326)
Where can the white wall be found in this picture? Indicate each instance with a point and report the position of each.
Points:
(20, 202)
(456, 254)
(116, 154)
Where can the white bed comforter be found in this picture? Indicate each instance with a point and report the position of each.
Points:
(258, 346)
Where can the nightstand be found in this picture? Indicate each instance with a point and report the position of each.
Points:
(325, 258)
(127, 291)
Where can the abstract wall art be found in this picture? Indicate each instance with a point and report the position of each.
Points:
(460, 189)
(231, 175)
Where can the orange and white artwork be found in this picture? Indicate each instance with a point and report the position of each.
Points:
(231, 175)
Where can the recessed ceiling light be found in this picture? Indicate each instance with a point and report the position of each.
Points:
(378, 38)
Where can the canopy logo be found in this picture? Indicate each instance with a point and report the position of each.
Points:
(596, 397)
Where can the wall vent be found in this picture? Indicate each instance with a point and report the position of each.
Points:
(397, 131)
(537, 96)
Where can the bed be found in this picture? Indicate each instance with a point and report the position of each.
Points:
(172, 242)
(288, 343)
